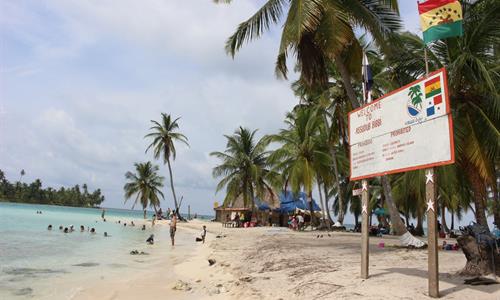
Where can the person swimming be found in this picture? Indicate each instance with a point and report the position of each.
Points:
(106, 234)
(66, 230)
(132, 223)
(92, 230)
(82, 228)
(49, 227)
(71, 228)
(60, 227)
(124, 224)
(151, 239)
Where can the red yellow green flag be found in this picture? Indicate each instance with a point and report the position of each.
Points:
(440, 19)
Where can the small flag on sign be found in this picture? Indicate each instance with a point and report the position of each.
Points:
(433, 95)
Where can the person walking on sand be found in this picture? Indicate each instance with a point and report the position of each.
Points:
(173, 227)
(204, 234)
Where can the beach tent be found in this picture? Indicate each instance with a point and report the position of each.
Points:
(290, 203)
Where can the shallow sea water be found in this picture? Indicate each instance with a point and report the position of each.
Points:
(38, 263)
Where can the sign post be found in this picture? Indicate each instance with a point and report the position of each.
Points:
(365, 239)
(432, 233)
(392, 135)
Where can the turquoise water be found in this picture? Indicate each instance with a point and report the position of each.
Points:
(33, 258)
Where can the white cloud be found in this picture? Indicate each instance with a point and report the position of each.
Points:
(105, 70)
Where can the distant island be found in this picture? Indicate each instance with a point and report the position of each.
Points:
(33, 193)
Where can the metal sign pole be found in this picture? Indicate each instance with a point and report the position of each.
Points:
(432, 230)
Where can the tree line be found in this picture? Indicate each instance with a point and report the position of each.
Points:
(34, 193)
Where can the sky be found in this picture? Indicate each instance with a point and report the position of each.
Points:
(81, 80)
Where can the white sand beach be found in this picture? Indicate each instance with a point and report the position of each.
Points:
(276, 263)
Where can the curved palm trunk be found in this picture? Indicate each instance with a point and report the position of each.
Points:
(173, 190)
(323, 213)
(479, 196)
(406, 238)
(327, 206)
(333, 153)
(346, 79)
(452, 220)
(144, 214)
(443, 219)
(419, 230)
(311, 208)
(397, 225)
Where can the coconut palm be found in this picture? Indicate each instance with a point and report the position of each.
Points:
(164, 135)
(244, 168)
(472, 65)
(145, 184)
(301, 159)
(22, 174)
(320, 31)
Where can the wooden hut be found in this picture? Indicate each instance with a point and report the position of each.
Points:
(226, 214)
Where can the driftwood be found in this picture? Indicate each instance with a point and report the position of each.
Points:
(482, 258)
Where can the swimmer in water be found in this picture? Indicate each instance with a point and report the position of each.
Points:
(50, 227)
(66, 230)
(92, 230)
(82, 228)
(151, 239)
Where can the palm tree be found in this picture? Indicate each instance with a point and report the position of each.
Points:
(302, 158)
(164, 134)
(22, 174)
(146, 184)
(472, 64)
(320, 31)
(244, 168)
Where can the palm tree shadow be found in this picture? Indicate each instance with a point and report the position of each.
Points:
(455, 280)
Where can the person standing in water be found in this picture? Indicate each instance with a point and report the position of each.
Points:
(173, 227)
(103, 213)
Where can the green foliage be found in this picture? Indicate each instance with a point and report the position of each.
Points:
(244, 168)
(35, 194)
(145, 184)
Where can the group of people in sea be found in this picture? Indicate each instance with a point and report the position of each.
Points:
(172, 215)
(71, 228)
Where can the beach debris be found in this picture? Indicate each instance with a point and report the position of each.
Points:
(246, 278)
(181, 286)
(480, 281)
(198, 280)
(136, 252)
(211, 261)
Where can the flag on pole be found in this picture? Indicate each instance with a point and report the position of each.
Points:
(366, 71)
(440, 19)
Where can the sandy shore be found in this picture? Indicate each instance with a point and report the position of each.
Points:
(275, 263)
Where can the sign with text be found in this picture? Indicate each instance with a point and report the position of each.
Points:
(407, 129)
